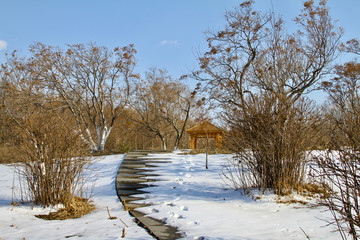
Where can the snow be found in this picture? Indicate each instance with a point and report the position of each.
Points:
(19, 222)
(190, 197)
(199, 203)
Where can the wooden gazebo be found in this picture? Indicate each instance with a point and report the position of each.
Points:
(205, 130)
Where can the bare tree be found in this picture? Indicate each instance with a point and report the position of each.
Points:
(259, 74)
(179, 106)
(225, 69)
(93, 83)
(163, 106)
(148, 104)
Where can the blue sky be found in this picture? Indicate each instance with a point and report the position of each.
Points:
(166, 33)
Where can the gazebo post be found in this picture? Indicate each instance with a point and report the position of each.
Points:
(193, 142)
(218, 141)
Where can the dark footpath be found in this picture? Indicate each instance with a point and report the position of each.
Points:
(132, 180)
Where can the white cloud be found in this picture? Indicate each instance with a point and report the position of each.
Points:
(3, 45)
(170, 42)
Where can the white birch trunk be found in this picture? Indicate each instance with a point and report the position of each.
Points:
(104, 137)
(91, 141)
(99, 135)
(164, 143)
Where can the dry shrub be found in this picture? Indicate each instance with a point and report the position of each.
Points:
(53, 162)
(338, 172)
(271, 137)
(237, 175)
(9, 138)
(338, 168)
(49, 148)
(7, 153)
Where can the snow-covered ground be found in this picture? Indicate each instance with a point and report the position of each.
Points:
(198, 202)
(19, 222)
(190, 197)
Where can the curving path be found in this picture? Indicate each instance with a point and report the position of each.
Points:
(132, 179)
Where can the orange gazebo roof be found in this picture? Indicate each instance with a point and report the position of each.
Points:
(204, 128)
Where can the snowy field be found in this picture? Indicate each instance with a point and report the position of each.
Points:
(190, 197)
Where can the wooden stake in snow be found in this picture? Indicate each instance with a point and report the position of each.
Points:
(110, 217)
(123, 233)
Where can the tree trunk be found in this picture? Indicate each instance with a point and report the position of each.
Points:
(105, 136)
(102, 137)
(177, 142)
(163, 143)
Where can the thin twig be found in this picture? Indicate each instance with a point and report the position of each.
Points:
(123, 222)
(307, 236)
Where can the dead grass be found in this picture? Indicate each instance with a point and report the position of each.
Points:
(307, 190)
(78, 208)
(291, 201)
(313, 190)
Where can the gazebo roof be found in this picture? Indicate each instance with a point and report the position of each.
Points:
(204, 128)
